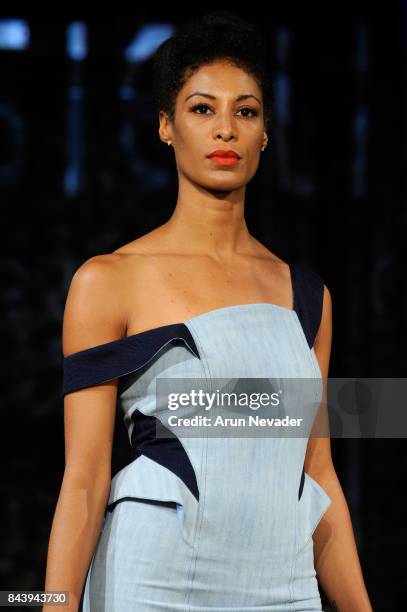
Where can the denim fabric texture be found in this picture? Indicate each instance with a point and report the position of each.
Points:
(216, 523)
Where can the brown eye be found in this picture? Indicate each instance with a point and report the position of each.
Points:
(251, 110)
(200, 106)
(205, 106)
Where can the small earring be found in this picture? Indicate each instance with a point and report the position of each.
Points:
(169, 142)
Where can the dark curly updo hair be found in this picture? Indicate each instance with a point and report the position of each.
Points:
(219, 34)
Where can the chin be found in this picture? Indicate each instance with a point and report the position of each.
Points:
(225, 182)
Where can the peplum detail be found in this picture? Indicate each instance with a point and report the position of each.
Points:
(312, 506)
(147, 480)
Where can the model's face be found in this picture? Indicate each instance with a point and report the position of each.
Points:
(218, 117)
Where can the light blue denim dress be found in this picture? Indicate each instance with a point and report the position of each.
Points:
(208, 523)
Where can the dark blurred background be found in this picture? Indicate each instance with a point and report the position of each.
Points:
(83, 171)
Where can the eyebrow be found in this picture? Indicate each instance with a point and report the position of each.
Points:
(206, 95)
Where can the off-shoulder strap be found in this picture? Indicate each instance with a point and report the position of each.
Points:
(111, 360)
(308, 289)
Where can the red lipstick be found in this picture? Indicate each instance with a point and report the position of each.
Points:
(225, 157)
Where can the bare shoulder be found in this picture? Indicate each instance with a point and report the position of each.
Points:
(96, 275)
(93, 311)
(106, 291)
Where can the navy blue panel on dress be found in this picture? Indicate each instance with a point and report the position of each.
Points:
(114, 359)
(308, 289)
(300, 488)
(167, 451)
(157, 502)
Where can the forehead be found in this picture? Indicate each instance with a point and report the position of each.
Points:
(220, 77)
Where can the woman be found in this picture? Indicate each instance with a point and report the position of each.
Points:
(198, 523)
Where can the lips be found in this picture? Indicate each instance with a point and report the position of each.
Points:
(225, 153)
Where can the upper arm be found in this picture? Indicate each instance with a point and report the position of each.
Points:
(318, 457)
(91, 317)
(323, 340)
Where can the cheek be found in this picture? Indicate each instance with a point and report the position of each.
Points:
(191, 145)
(192, 132)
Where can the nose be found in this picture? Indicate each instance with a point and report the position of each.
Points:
(225, 128)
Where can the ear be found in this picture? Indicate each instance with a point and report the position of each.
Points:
(264, 142)
(265, 139)
(164, 130)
